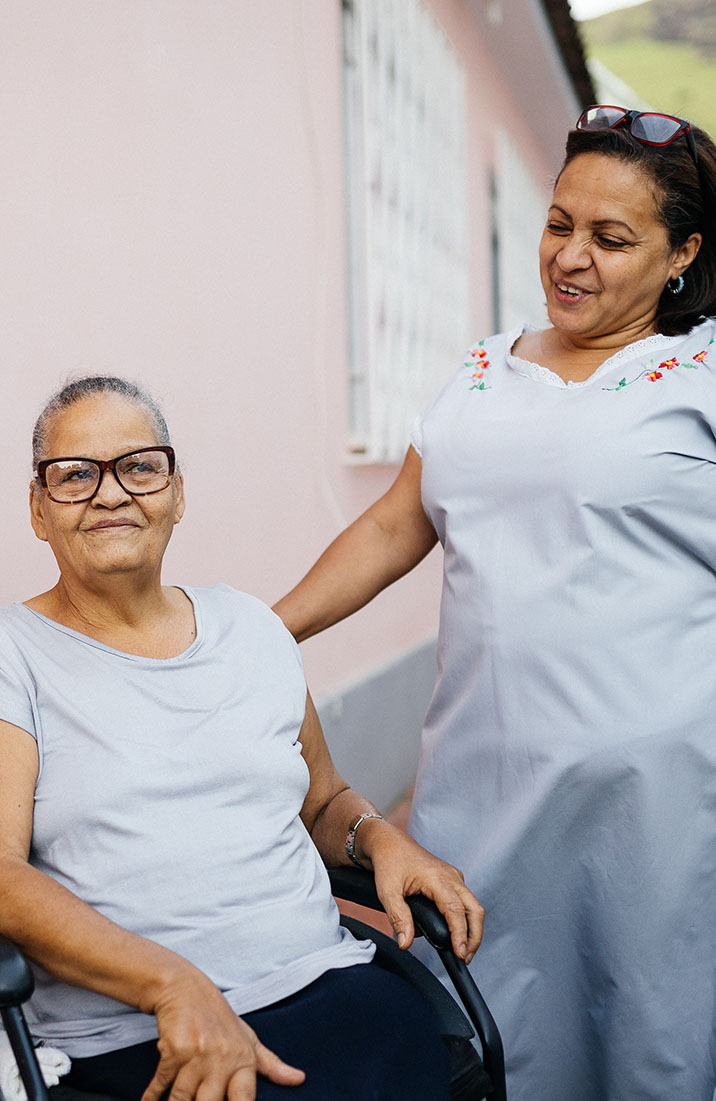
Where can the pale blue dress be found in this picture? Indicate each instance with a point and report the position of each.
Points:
(568, 761)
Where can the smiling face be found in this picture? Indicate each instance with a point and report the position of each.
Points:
(114, 533)
(604, 255)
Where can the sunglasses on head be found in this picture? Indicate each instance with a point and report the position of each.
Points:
(648, 127)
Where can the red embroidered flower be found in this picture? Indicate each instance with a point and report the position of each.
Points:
(669, 364)
(654, 375)
(701, 356)
(479, 367)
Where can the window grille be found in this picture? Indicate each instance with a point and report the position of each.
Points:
(520, 206)
(407, 214)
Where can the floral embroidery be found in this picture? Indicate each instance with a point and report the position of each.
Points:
(653, 374)
(480, 363)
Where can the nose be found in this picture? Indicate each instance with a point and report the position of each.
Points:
(574, 255)
(109, 492)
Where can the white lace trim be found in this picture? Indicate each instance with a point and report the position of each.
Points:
(550, 378)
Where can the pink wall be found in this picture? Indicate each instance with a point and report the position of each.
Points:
(172, 208)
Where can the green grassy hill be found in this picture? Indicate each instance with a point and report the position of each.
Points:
(664, 52)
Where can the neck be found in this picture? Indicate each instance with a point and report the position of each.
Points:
(603, 345)
(103, 607)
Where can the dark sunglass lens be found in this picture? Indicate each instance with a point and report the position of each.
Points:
(600, 118)
(145, 472)
(658, 129)
(71, 479)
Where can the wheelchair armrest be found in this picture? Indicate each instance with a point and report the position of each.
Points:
(16, 984)
(358, 885)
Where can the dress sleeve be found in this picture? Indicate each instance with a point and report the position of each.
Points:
(416, 434)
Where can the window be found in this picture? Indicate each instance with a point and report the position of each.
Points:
(407, 215)
(519, 209)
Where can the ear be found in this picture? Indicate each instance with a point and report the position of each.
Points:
(36, 518)
(180, 503)
(684, 255)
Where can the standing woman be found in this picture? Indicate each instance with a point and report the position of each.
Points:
(568, 762)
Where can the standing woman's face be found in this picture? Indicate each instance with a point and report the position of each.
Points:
(605, 256)
(114, 533)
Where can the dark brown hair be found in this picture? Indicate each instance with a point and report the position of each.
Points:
(686, 203)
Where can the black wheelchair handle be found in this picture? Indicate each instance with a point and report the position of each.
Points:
(358, 885)
(16, 984)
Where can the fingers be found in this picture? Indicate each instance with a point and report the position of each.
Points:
(465, 919)
(160, 1083)
(271, 1066)
(210, 1077)
(400, 918)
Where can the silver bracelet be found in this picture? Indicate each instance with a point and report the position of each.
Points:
(351, 835)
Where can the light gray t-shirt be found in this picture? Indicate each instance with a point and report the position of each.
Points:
(168, 798)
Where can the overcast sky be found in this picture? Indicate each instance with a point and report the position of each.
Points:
(587, 9)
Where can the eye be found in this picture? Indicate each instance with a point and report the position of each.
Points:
(559, 228)
(140, 466)
(77, 475)
(611, 242)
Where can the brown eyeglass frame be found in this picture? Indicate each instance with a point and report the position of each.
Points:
(105, 465)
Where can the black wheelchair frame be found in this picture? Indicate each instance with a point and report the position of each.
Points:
(473, 1079)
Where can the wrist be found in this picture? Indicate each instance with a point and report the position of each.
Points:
(352, 836)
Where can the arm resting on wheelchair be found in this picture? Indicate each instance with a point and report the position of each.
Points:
(358, 885)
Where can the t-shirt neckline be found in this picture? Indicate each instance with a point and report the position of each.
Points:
(89, 641)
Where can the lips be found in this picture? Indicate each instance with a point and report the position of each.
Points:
(569, 293)
(109, 525)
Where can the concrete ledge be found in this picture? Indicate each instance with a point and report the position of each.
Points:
(373, 725)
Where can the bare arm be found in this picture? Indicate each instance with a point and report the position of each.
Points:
(383, 544)
(201, 1041)
(401, 866)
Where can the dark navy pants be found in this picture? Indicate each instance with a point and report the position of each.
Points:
(359, 1033)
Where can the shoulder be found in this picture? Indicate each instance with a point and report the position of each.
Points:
(16, 621)
(223, 605)
(481, 360)
(696, 348)
(225, 597)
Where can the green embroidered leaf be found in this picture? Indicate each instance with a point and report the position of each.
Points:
(622, 382)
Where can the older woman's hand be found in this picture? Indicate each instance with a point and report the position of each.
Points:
(402, 867)
(206, 1050)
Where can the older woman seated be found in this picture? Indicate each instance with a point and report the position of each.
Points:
(167, 804)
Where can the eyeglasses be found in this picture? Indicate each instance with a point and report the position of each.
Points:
(141, 472)
(648, 127)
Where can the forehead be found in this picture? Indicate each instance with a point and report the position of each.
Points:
(598, 188)
(100, 427)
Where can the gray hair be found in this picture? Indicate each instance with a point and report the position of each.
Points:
(87, 387)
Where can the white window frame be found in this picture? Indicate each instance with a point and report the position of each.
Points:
(406, 139)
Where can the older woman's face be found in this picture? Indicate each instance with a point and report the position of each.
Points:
(114, 532)
(604, 255)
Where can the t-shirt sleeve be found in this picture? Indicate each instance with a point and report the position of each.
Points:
(15, 689)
